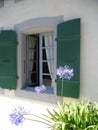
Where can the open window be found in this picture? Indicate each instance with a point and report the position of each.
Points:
(40, 60)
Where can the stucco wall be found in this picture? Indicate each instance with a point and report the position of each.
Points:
(87, 10)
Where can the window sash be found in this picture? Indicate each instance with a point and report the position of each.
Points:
(51, 59)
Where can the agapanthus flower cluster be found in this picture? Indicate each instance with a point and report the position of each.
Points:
(65, 72)
(17, 115)
(40, 89)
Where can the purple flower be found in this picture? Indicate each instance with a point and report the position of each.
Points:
(17, 115)
(40, 89)
(37, 89)
(65, 72)
(43, 88)
(60, 72)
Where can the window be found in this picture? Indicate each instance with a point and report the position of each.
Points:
(40, 60)
(39, 54)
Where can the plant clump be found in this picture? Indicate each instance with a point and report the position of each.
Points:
(81, 115)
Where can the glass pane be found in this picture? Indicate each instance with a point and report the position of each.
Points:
(47, 80)
(34, 67)
(44, 57)
(48, 54)
(45, 68)
(48, 40)
(32, 54)
(33, 77)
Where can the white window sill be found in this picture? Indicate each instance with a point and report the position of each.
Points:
(28, 93)
(49, 90)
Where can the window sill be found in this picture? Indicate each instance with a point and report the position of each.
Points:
(49, 90)
(48, 97)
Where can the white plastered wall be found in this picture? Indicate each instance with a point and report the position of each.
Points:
(87, 10)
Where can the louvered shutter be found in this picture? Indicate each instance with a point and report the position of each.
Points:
(8, 44)
(68, 53)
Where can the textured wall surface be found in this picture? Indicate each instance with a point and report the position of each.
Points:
(14, 13)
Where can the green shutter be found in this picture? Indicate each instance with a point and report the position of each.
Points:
(68, 53)
(8, 44)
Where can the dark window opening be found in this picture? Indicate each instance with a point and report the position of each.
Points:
(34, 62)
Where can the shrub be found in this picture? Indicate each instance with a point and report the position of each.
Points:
(81, 115)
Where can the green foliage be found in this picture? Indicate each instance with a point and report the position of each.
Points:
(81, 115)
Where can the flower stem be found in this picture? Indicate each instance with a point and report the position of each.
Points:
(62, 87)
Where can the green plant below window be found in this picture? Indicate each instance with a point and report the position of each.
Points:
(73, 115)
(82, 115)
